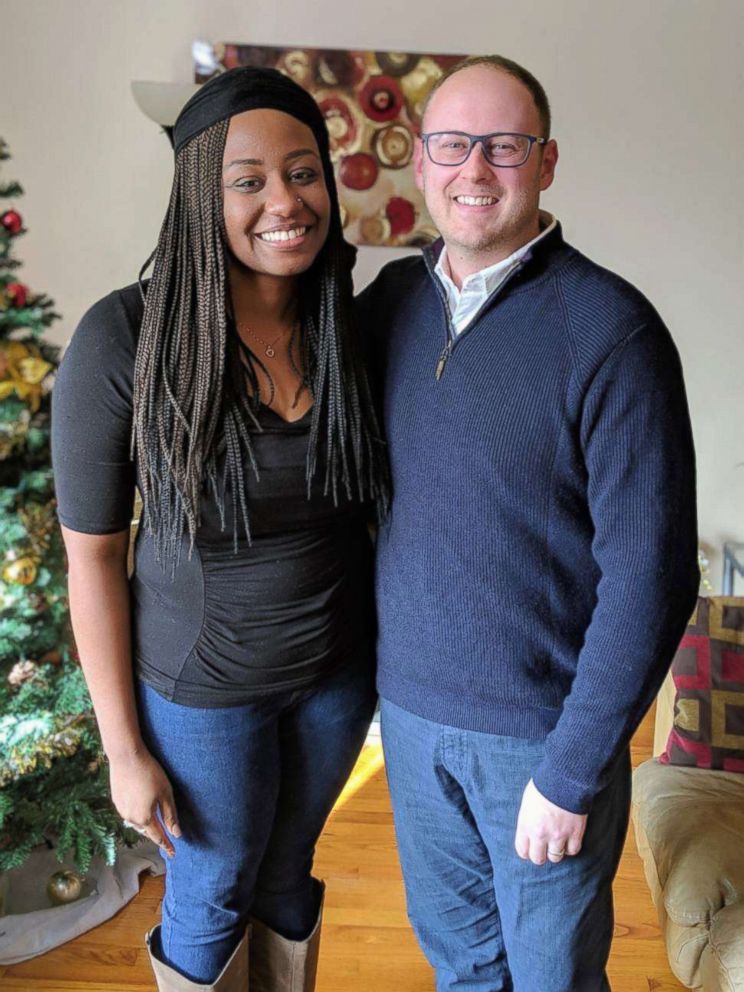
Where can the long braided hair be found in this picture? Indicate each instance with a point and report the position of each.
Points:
(193, 396)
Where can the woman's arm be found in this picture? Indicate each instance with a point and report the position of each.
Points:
(100, 611)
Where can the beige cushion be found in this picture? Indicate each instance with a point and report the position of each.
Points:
(689, 825)
(722, 961)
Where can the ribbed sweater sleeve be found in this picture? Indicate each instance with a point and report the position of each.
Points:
(637, 446)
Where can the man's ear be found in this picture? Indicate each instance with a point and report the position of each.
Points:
(548, 164)
(418, 163)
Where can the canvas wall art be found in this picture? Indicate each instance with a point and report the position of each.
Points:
(372, 103)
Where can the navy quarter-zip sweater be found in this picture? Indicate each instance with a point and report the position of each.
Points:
(540, 561)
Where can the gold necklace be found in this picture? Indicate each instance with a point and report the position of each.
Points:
(270, 352)
(268, 345)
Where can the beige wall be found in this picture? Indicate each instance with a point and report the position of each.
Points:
(647, 98)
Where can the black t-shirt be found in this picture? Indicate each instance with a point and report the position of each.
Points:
(279, 614)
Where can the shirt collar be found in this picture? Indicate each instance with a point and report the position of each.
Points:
(486, 280)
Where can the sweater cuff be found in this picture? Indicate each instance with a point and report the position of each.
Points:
(574, 797)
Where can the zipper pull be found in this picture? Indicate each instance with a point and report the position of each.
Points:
(442, 362)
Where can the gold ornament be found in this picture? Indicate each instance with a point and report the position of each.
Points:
(12, 353)
(64, 887)
(34, 369)
(22, 370)
(39, 521)
(21, 572)
(13, 434)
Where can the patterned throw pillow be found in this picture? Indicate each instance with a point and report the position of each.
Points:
(708, 673)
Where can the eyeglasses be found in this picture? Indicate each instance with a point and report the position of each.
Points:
(504, 149)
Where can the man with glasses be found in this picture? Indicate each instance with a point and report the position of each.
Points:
(540, 560)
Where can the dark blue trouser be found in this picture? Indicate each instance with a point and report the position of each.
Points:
(253, 786)
(487, 920)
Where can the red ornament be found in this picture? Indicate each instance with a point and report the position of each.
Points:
(17, 294)
(358, 171)
(402, 215)
(11, 221)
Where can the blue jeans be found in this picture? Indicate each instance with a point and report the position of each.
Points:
(253, 787)
(486, 920)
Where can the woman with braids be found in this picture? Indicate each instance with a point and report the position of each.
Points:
(232, 676)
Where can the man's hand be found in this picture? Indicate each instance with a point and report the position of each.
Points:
(545, 831)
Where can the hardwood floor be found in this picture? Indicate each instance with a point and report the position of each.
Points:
(367, 944)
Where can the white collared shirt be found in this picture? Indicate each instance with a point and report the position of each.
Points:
(464, 303)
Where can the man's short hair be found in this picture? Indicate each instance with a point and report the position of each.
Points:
(511, 68)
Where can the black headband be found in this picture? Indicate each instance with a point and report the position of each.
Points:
(247, 88)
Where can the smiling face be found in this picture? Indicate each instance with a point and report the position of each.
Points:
(276, 204)
(483, 212)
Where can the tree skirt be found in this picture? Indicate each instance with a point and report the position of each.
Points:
(31, 926)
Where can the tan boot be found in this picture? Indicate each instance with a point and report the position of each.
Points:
(281, 965)
(232, 978)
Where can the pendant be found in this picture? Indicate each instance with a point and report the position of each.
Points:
(270, 352)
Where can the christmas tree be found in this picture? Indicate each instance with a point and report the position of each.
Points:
(53, 779)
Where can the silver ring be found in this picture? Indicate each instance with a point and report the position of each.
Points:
(557, 854)
(299, 199)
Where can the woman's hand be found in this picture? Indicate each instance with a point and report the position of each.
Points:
(101, 618)
(140, 790)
